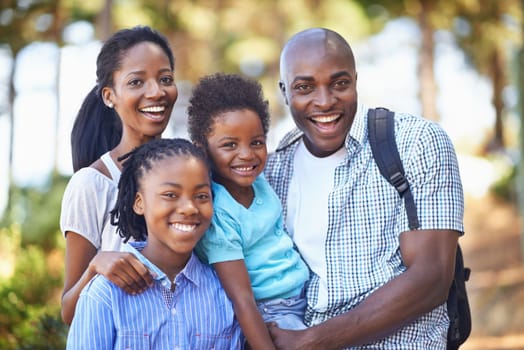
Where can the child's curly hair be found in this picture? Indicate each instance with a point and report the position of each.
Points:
(218, 93)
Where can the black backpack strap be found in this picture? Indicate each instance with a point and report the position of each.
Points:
(381, 131)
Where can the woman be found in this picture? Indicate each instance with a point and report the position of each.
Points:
(130, 105)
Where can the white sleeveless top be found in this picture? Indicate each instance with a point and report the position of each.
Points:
(87, 201)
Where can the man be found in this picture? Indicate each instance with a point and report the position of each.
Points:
(374, 282)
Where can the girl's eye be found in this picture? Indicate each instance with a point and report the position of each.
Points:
(170, 195)
(229, 145)
(167, 80)
(258, 143)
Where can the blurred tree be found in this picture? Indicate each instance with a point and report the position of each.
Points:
(486, 31)
(483, 29)
(428, 14)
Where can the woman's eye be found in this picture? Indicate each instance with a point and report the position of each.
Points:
(135, 82)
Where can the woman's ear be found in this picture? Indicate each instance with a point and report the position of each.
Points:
(138, 205)
(107, 96)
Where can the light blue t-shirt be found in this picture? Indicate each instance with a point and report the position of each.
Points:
(256, 235)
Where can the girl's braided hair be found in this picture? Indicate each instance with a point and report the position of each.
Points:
(138, 163)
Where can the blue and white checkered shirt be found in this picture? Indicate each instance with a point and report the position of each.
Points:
(196, 315)
(367, 216)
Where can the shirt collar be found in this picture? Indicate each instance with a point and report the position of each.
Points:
(189, 272)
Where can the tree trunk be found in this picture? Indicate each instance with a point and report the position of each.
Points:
(497, 77)
(520, 169)
(428, 85)
(105, 21)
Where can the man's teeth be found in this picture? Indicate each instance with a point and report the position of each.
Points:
(184, 227)
(326, 119)
(154, 109)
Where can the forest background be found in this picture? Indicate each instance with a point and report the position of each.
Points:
(457, 62)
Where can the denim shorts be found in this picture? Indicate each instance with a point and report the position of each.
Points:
(288, 313)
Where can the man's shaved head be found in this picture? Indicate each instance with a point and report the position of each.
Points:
(312, 39)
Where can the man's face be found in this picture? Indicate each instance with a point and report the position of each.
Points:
(319, 86)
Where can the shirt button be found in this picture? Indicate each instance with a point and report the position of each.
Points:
(259, 201)
(173, 311)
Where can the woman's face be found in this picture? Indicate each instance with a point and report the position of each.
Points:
(143, 92)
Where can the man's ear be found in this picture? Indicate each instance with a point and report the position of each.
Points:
(138, 205)
(283, 91)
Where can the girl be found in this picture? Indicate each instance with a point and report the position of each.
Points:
(130, 105)
(246, 243)
(165, 197)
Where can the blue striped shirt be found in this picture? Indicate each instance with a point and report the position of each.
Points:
(367, 216)
(197, 315)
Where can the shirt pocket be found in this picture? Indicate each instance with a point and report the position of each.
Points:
(132, 340)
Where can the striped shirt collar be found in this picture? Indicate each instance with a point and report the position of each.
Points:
(192, 270)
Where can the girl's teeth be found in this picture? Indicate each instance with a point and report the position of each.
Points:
(185, 228)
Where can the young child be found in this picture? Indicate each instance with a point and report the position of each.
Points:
(165, 197)
(246, 243)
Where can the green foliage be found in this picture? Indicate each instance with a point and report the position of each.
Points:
(506, 186)
(31, 270)
(37, 210)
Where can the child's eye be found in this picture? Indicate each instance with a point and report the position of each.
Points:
(258, 143)
(167, 80)
(170, 195)
(229, 145)
(203, 196)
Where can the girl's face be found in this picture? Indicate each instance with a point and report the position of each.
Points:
(144, 91)
(237, 148)
(174, 197)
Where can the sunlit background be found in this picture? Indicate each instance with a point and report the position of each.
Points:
(464, 74)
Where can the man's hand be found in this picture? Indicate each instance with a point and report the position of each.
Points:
(285, 339)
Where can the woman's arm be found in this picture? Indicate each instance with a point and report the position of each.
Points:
(235, 280)
(82, 263)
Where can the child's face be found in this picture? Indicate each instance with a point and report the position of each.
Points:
(175, 199)
(237, 148)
